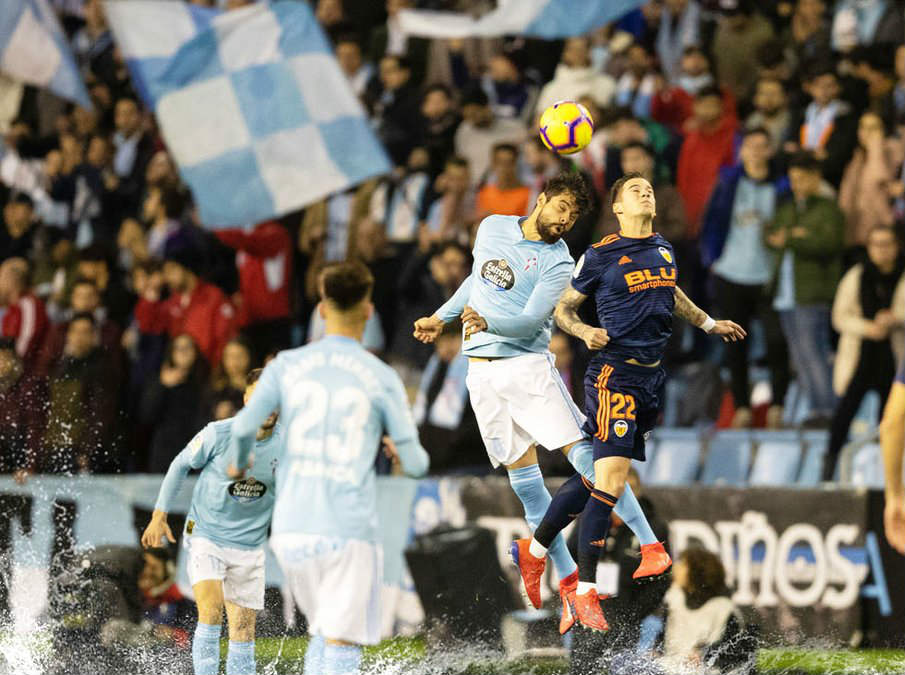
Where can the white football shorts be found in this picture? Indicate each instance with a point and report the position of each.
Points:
(335, 582)
(519, 401)
(240, 570)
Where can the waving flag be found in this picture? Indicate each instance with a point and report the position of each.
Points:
(33, 49)
(545, 19)
(251, 103)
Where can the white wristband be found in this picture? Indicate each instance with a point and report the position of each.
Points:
(708, 325)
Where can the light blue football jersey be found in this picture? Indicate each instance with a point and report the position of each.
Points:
(231, 513)
(336, 401)
(514, 285)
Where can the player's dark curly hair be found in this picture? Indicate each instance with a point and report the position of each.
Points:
(571, 182)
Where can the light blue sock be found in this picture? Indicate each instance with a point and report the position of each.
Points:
(206, 649)
(341, 659)
(528, 484)
(314, 656)
(581, 456)
(240, 659)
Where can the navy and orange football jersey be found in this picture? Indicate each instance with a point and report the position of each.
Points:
(633, 282)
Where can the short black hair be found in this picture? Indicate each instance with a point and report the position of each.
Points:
(173, 202)
(474, 95)
(819, 68)
(94, 253)
(346, 284)
(438, 86)
(709, 91)
(620, 183)
(84, 281)
(575, 184)
(456, 160)
(253, 376)
(611, 116)
(7, 344)
(505, 147)
(83, 316)
(806, 160)
(443, 247)
(22, 198)
(638, 145)
(753, 131)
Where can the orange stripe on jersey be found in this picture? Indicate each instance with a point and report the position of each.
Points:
(609, 239)
(603, 403)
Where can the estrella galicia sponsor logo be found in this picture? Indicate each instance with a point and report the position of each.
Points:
(498, 273)
(246, 491)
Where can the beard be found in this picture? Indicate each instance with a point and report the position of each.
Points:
(545, 230)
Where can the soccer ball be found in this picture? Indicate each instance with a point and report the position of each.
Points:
(566, 127)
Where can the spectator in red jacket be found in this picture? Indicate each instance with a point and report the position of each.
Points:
(194, 307)
(23, 413)
(264, 258)
(22, 314)
(707, 146)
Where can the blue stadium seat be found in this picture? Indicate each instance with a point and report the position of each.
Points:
(677, 457)
(867, 466)
(728, 459)
(814, 450)
(778, 458)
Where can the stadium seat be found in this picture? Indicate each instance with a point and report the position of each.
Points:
(867, 467)
(777, 460)
(812, 464)
(677, 457)
(728, 459)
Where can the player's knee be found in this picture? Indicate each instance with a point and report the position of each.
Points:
(210, 612)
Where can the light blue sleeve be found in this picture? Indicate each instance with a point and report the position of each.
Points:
(193, 456)
(264, 400)
(456, 304)
(400, 425)
(539, 307)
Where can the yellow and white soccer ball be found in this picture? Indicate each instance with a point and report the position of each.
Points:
(566, 127)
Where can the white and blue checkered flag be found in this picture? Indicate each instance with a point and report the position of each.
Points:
(251, 103)
(33, 49)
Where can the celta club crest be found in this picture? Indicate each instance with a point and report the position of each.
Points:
(667, 256)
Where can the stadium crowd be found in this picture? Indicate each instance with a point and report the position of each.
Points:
(774, 133)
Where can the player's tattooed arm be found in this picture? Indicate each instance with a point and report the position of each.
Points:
(690, 312)
(566, 316)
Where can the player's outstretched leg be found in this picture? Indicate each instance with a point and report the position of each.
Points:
(206, 649)
(341, 658)
(528, 484)
(655, 561)
(240, 659)
(314, 655)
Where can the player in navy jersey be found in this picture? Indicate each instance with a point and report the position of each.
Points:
(632, 278)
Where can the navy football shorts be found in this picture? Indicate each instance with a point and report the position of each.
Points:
(622, 404)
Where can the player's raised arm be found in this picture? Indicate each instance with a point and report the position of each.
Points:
(397, 418)
(194, 456)
(264, 400)
(428, 328)
(685, 309)
(566, 316)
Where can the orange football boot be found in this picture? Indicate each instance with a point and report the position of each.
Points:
(655, 562)
(531, 568)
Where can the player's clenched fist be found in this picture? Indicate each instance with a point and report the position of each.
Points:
(595, 338)
(427, 329)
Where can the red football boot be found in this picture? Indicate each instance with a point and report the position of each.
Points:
(590, 615)
(567, 588)
(531, 568)
(655, 562)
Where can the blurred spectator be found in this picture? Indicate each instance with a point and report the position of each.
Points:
(395, 107)
(541, 164)
(898, 94)
(480, 130)
(264, 259)
(636, 88)
(172, 402)
(771, 110)
(439, 121)
(84, 298)
(132, 244)
(506, 90)
(228, 381)
(866, 22)
(442, 410)
(671, 223)
(807, 235)
(358, 72)
(707, 147)
(506, 195)
(194, 307)
(452, 213)
(868, 312)
(374, 251)
(132, 152)
(704, 628)
(22, 314)
(17, 235)
(83, 403)
(388, 39)
(680, 24)
(94, 264)
(732, 242)
(163, 207)
(874, 67)
(808, 33)
(23, 410)
(622, 128)
(740, 33)
(827, 126)
(673, 105)
(575, 77)
(400, 201)
(869, 182)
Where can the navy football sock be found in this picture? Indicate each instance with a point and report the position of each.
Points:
(568, 502)
(595, 525)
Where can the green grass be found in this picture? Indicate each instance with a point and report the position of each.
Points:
(824, 662)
